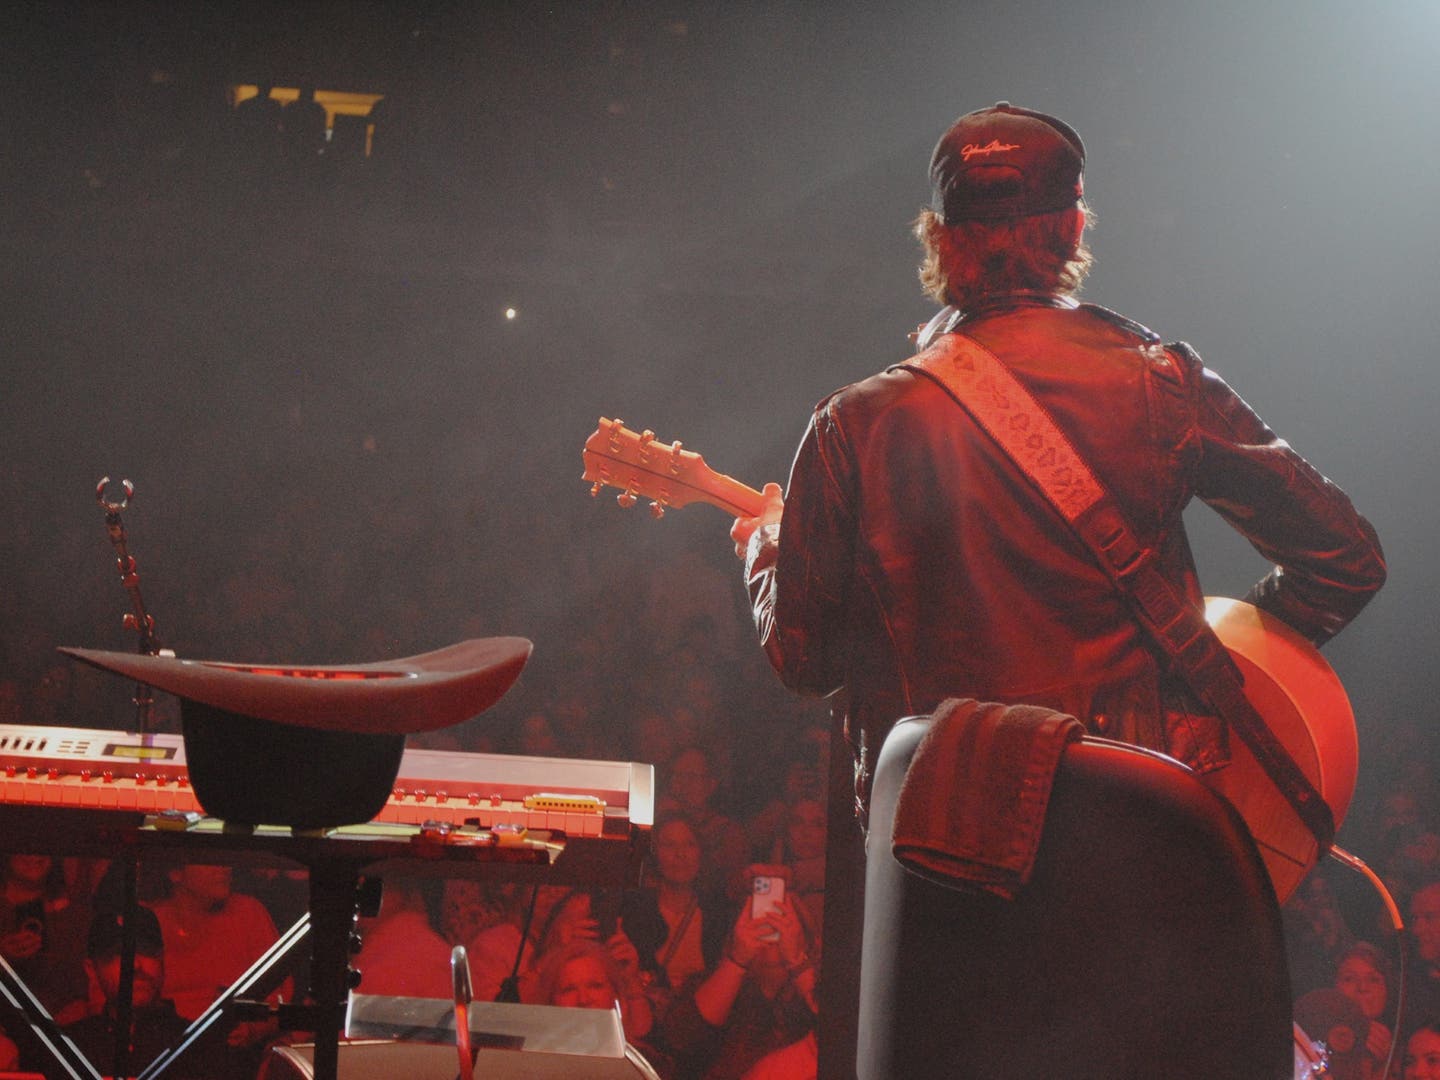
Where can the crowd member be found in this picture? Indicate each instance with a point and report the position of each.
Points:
(583, 915)
(657, 734)
(468, 907)
(42, 933)
(1409, 859)
(9, 1053)
(586, 974)
(803, 839)
(1364, 976)
(801, 851)
(689, 785)
(1328, 1016)
(694, 932)
(212, 936)
(487, 920)
(1422, 976)
(1422, 1053)
(401, 954)
(797, 856)
(805, 768)
(284, 892)
(758, 999)
(536, 737)
(1316, 934)
(155, 1025)
(798, 1061)
(912, 560)
(1399, 807)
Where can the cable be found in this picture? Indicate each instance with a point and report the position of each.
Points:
(510, 987)
(1354, 862)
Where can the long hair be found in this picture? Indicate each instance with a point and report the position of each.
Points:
(967, 261)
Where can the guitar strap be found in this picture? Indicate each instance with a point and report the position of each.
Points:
(1006, 411)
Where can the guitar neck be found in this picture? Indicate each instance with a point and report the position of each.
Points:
(699, 485)
(730, 495)
(640, 466)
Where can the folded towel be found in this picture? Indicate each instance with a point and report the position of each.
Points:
(972, 806)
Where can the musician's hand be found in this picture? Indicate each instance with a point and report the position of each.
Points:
(741, 531)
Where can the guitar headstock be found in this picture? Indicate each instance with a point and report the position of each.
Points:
(670, 476)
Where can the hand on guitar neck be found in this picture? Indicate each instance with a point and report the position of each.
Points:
(639, 465)
(745, 527)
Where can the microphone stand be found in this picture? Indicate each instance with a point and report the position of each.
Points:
(137, 619)
(143, 623)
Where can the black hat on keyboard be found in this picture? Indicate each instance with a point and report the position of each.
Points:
(315, 747)
(393, 697)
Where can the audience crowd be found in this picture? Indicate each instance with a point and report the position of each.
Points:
(705, 990)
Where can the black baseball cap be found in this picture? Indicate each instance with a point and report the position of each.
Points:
(107, 932)
(1005, 162)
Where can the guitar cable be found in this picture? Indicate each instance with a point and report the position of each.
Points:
(1354, 862)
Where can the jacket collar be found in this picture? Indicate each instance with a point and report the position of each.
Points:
(1020, 298)
(950, 318)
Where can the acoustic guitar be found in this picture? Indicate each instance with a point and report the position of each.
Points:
(1286, 679)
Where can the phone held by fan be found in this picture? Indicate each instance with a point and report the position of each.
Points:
(767, 893)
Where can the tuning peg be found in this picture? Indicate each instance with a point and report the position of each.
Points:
(657, 511)
(617, 429)
(626, 499)
(595, 489)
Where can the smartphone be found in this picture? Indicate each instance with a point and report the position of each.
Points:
(766, 894)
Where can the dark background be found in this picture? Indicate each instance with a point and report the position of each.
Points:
(344, 451)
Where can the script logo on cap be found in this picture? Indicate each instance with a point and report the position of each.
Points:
(994, 146)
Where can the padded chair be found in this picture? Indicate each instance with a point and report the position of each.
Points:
(1147, 943)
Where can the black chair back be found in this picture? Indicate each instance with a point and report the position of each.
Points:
(1147, 944)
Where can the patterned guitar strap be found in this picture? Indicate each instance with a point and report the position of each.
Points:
(1005, 410)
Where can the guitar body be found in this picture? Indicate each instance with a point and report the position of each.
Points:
(1301, 698)
(1286, 679)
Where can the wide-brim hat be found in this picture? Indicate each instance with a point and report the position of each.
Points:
(393, 697)
(314, 747)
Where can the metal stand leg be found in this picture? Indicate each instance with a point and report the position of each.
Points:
(263, 977)
(64, 1052)
(332, 918)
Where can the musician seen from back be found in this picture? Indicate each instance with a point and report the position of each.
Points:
(910, 560)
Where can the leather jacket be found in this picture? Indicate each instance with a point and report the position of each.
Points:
(914, 562)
